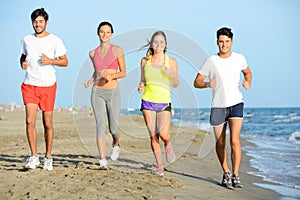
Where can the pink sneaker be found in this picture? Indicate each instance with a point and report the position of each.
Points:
(159, 170)
(170, 155)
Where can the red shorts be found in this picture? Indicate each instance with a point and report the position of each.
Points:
(44, 97)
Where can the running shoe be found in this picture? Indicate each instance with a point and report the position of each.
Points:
(48, 164)
(103, 164)
(115, 151)
(159, 170)
(236, 182)
(32, 162)
(226, 182)
(170, 155)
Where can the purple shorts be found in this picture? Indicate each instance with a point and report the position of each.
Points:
(157, 107)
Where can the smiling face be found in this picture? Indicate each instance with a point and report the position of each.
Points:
(39, 25)
(105, 33)
(224, 43)
(159, 44)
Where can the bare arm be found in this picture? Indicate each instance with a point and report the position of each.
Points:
(92, 79)
(172, 72)
(142, 83)
(122, 65)
(247, 78)
(199, 82)
(62, 61)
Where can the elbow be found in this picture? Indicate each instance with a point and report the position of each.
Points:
(123, 74)
(66, 63)
(195, 84)
(175, 84)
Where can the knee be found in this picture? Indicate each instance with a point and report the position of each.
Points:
(100, 135)
(48, 124)
(235, 142)
(30, 122)
(154, 138)
(220, 144)
(115, 133)
(100, 132)
(164, 135)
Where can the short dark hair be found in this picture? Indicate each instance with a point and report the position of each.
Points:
(39, 12)
(103, 24)
(225, 31)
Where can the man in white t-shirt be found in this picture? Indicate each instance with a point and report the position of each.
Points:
(40, 52)
(223, 72)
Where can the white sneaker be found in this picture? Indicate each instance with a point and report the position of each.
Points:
(48, 163)
(115, 151)
(103, 164)
(32, 162)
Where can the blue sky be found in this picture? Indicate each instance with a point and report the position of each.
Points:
(266, 32)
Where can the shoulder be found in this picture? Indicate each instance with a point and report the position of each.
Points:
(144, 60)
(213, 57)
(54, 37)
(209, 61)
(172, 60)
(117, 49)
(92, 52)
(28, 37)
(237, 55)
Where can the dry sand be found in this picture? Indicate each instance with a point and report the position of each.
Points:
(76, 174)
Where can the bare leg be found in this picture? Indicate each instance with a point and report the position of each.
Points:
(235, 125)
(163, 125)
(101, 147)
(116, 140)
(220, 134)
(150, 120)
(31, 110)
(48, 131)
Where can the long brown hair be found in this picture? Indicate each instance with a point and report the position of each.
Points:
(150, 50)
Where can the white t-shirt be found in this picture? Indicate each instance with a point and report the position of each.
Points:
(38, 74)
(227, 72)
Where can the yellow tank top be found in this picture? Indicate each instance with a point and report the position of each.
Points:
(157, 83)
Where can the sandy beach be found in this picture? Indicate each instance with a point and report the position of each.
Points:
(76, 174)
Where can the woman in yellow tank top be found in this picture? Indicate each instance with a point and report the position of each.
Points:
(158, 71)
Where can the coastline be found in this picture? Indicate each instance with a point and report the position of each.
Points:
(76, 173)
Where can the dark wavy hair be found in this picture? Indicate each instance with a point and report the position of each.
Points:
(103, 24)
(39, 12)
(225, 31)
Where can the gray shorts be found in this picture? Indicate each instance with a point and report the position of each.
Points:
(220, 116)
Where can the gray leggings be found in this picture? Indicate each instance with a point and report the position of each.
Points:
(109, 101)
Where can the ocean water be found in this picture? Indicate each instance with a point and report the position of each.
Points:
(275, 133)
